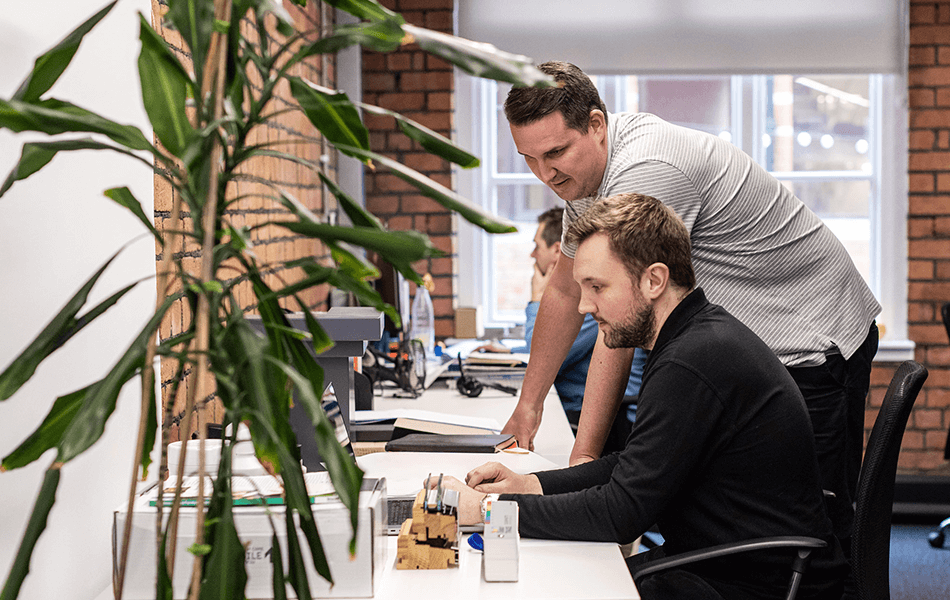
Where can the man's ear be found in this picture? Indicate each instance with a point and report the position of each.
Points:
(556, 246)
(654, 281)
(598, 123)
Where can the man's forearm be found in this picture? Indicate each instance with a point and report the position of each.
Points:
(606, 382)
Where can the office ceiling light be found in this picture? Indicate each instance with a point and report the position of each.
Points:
(833, 92)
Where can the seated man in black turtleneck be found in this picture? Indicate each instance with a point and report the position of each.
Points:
(722, 448)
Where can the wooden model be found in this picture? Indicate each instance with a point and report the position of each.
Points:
(428, 540)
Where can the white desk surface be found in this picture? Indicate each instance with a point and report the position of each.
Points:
(547, 569)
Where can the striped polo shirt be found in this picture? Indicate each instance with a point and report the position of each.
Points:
(757, 249)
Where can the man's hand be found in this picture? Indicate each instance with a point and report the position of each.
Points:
(496, 478)
(523, 424)
(470, 510)
(539, 281)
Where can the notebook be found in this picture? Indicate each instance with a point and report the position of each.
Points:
(436, 442)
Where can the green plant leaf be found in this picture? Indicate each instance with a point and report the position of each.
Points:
(50, 65)
(340, 279)
(36, 155)
(438, 192)
(307, 377)
(285, 22)
(347, 478)
(433, 142)
(479, 59)
(224, 576)
(49, 433)
(165, 87)
(381, 36)
(87, 426)
(123, 197)
(262, 390)
(296, 570)
(331, 112)
(163, 584)
(57, 116)
(277, 560)
(406, 246)
(352, 261)
(151, 430)
(35, 527)
(319, 339)
(358, 215)
(366, 9)
(194, 20)
(262, 393)
(257, 151)
(63, 326)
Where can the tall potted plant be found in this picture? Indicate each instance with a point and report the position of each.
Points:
(203, 116)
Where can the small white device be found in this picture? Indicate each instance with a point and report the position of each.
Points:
(501, 540)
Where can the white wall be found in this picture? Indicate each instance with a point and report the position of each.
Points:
(55, 230)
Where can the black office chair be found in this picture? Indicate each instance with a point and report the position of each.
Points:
(874, 501)
(870, 542)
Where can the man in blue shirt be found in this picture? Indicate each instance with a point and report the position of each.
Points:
(572, 376)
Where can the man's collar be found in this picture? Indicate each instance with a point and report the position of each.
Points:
(680, 316)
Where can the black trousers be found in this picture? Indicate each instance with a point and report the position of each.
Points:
(835, 394)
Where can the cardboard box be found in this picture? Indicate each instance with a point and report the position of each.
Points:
(355, 578)
(469, 323)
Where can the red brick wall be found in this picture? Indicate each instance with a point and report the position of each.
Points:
(419, 86)
(928, 232)
(292, 133)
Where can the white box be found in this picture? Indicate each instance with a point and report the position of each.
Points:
(357, 577)
(501, 542)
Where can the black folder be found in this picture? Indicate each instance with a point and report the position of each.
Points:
(435, 442)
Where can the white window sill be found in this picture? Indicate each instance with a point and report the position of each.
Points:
(895, 351)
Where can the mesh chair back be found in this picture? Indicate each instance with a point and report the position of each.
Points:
(871, 537)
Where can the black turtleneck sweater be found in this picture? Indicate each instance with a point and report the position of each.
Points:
(721, 451)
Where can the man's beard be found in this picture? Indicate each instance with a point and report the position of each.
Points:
(636, 331)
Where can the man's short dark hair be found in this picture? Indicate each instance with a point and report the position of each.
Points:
(575, 97)
(551, 224)
(641, 231)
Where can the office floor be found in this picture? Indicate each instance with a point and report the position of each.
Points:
(918, 571)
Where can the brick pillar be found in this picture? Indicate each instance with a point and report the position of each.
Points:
(419, 86)
(290, 132)
(928, 233)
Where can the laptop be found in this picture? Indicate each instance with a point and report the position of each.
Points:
(399, 507)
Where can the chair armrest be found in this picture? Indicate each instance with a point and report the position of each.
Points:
(767, 543)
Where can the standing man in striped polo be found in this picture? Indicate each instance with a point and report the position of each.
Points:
(757, 251)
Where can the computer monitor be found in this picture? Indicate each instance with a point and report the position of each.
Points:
(394, 289)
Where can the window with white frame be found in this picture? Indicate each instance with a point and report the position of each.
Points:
(826, 137)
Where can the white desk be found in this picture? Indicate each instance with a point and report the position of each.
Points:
(547, 569)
